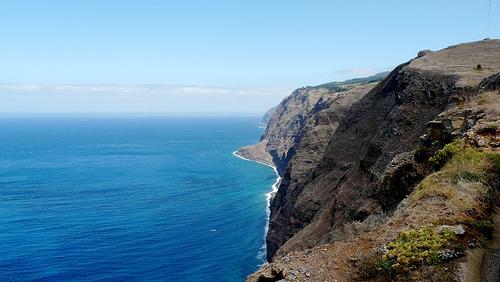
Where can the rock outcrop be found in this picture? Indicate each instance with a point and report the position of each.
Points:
(356, 156)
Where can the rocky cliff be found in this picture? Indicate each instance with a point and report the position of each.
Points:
(267, 116)
(363, 163)
(303, 122)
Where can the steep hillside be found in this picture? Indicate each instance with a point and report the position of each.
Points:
(267, 116)
(303, 122)
(355, 182)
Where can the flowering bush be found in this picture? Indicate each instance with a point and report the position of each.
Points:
(417, 247)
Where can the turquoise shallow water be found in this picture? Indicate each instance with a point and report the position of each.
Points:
(100, 199)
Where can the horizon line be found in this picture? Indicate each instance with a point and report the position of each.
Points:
(132, 114)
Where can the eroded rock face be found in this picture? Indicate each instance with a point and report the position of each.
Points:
(373, 160)
(267, 116)
(303, 154)
(302, 124)
(308, 117)
(346, 259)
(369, 161)
(285, 127)
(298, 134)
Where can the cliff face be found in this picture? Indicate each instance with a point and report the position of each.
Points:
(357, 155)
(303, 122)
(352, 178)
(267, 116)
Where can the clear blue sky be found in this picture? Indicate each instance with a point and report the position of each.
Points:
(96, 56)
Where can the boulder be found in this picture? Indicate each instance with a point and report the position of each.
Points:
(456, 229)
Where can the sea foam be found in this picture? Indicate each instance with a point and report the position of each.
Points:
(269, 197)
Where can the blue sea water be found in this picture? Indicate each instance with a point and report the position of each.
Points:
(130, 199)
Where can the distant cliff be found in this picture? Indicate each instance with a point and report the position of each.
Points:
(362, 162)
(304, 121)
(267, 116)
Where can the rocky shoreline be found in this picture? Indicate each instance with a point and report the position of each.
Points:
(256, 153)
(249, 154)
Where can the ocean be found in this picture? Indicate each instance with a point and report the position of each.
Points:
(130, 199)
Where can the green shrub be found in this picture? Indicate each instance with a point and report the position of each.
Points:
(470, 176)
(495, 159)
(444, 155)
(484, 226)
(417, 247)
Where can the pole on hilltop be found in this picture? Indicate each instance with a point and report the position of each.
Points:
(489, 17)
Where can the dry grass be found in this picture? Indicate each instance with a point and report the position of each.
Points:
(456, 193)
(489, 102)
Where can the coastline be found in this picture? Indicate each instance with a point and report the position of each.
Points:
(269, 196)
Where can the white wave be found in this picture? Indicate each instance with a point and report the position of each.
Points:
(269, 197)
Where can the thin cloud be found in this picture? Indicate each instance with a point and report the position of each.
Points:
(360, 71)
(153, 89)
(76, 98)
